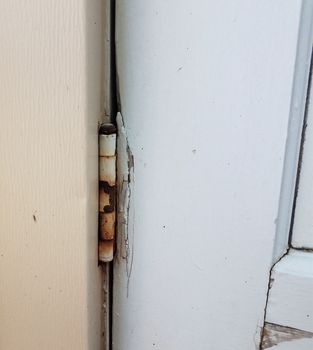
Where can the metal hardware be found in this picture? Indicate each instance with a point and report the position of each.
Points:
(107, 191)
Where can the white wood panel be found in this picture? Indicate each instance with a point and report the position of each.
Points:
(302, 234)
(205, 91)
(50, 68)
(290, 300)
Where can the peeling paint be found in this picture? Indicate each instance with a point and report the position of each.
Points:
(273, 334)
(125, 213)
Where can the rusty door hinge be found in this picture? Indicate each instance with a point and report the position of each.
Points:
(107, 191)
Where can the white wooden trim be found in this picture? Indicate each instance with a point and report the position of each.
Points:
(302, 233)
(290, 300)
(293, 140)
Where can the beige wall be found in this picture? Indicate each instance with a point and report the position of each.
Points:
(50, 69)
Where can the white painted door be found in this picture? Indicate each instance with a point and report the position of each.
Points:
(212, 95)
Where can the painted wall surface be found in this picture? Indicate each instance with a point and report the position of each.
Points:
(50, 68)
(205, 91)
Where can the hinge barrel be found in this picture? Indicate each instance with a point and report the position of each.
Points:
(107, 191)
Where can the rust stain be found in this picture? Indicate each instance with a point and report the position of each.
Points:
(107, 225)
(273, 334)
(104, 200)
(107, 197)
(107, 172)
(106, 249)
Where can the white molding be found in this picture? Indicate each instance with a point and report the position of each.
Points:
(296, 116)
(290, 300)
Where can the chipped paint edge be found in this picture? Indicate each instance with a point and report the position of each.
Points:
(125, 212)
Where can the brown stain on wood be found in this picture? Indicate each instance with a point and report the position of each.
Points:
(273, 334)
